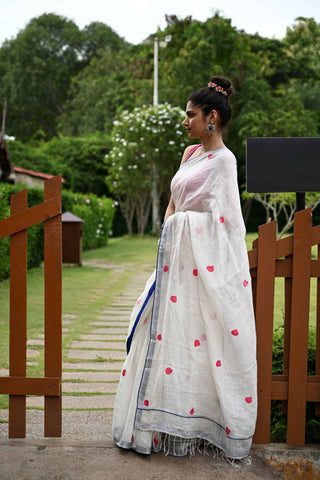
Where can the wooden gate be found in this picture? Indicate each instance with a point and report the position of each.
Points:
(290, 258)
(17, 385)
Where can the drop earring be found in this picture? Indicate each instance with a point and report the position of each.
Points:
(210, 128)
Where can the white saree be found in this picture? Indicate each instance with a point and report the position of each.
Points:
(190, 373)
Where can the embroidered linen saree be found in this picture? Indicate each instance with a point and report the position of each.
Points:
(190, 372)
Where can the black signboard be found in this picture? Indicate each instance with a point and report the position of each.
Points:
(283, 164)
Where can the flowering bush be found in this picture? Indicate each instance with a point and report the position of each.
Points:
(97, 213)
(145, 142)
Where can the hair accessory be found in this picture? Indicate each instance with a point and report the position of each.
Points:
(217, 88)
(210, 128)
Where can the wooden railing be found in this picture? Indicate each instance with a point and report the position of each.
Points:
(290, 258)
(17, 384)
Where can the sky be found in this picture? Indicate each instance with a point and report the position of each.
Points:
(135, 20)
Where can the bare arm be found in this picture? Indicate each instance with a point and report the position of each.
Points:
(171, 206)
(170, 209)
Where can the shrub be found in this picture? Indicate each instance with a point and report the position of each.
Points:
(97, 213)
(278, 418)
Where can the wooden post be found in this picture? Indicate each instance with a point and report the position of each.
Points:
(299, 327)
(317, 409)
(264, 326)
(53, 307)
(18, 317)
(287, 328)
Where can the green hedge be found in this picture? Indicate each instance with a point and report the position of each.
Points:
(97, 213)
(278, 419)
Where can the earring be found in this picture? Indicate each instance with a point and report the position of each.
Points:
(210, 128)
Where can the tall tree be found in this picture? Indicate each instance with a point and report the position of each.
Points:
(140, 138)
(35, 69)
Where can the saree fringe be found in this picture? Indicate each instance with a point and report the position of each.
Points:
(180, 447)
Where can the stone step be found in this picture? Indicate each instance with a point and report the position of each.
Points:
(109, 330)
(104, 336)
(70, 387)
(95, 354)
(92, 376)
(113, 318)
(92, 366)
(111, 324)
(98, 345)
(36, 341)
(76, 425)
(82, 402)
(32, 353)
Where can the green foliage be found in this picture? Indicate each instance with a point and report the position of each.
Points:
(278, 419)
(97, 213)
(96, 93)
(142, 138)
(281, 207)
(80, 160)
(35, 233)
(62, 82)
(4, 243)
(35, 71)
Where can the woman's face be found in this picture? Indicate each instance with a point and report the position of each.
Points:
(195, 122)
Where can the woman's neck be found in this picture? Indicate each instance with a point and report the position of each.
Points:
(212, 142)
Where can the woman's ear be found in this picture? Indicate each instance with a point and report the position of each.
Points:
(213, 115)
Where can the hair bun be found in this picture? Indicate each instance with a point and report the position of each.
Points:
(224, 83)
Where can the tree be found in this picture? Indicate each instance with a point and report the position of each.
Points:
(140, 138)
(95, 95)
(281, 207)
(35, 69)
(302, 42)
(80, 160)
(98, 36)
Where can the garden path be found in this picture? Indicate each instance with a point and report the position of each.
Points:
(91, 372)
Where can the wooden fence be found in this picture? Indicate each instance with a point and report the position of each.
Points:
(17, 384)
(290, 258)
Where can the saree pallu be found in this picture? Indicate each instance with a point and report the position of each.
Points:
(190, 373)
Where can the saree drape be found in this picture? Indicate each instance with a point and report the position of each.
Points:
(190, 373)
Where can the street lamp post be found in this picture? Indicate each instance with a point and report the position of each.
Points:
(155, 194)
(155, 176)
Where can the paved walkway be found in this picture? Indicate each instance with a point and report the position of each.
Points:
(86, 450)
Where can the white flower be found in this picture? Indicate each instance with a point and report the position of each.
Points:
(156, 149)
(135, 166)
(178, 132)
(171, 142)
(88, 201)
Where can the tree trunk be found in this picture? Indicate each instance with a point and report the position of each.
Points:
(127, 208)
(143, 211)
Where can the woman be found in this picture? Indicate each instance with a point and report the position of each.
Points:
(190, 375)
